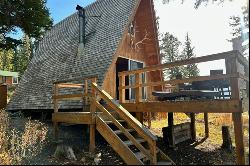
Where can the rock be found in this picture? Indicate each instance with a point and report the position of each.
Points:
(98, 155)
(97, 160)
(63, 151)
(83, 160)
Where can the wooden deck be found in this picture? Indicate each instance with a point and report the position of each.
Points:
(127, 124)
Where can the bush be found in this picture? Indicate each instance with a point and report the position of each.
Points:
(15, 146)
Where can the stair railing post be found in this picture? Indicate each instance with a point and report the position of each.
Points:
(92, 126)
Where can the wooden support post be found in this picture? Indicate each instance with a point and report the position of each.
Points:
(56, 130)
(138, 95)
(122, 91)
(92, 126)
(153, 153)
(55, 124)
(232, 68)
(55, 100)
(192, 127)
(238, 132)
(206, 125)
(86, 92)
(171, 129)
(149, 119)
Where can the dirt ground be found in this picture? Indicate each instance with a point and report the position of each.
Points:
(201, 152)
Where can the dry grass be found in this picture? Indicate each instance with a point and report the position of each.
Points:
(216, 121)
(15, 146)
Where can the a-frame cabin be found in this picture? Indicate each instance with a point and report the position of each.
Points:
(102, 63)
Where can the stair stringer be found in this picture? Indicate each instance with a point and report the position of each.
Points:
(116, 143)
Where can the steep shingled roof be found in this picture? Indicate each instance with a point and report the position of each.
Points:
(56, 57)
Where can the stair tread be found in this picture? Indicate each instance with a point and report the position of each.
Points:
(140, 155)
(164, 163)
(110, 122)
(120, 132)
(140, 140)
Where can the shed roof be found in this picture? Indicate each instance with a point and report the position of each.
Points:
(56, 57)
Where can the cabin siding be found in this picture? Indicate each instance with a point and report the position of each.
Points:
(148, 52)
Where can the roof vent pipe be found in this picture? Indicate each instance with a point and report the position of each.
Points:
(82, 25)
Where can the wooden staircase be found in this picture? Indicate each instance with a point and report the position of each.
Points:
(127, 136)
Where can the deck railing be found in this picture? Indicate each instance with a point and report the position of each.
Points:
(84, 87)
(237, 70)
(233, 61)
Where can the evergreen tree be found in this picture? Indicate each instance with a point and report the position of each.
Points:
(170, 53)
(190, 70)
(24, 54)
(6, 59)
(32, 17)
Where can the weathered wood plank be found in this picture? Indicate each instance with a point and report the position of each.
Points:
(72, 117)
(75, 79)
(69, 97)
(65, 85)
(210, 106)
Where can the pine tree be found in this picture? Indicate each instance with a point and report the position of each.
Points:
(190, 70)
(170, 53)
(6, 59)
(24, 54)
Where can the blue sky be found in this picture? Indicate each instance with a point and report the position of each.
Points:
(61, 9)
(208, 27)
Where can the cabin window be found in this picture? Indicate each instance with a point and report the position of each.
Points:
(133, 65)
(123, 64)
(14, 80)
(4, 78)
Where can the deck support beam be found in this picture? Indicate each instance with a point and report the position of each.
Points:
(171, 128)
(206, 125)
(56, 130)
(92, 128)
(238, 132)
(193, 127)
(232, 66)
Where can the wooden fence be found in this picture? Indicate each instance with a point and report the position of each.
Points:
(3, 96)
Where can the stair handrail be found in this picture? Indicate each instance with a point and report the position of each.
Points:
(133, 122)
(123, 129)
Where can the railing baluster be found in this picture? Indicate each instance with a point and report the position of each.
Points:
(122, 91)
(138, 95)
